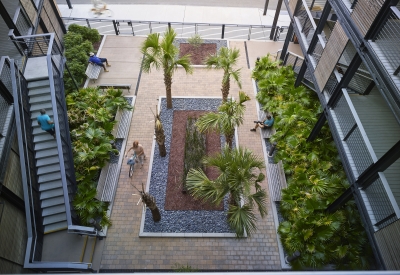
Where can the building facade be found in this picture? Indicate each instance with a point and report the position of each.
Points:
(352, 61)
(37, 179)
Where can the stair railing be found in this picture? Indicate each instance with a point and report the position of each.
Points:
(43, 45)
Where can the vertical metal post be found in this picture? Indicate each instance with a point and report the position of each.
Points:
(88, 24)
(69, 4)
(289, 35)
(195, 28)
(278, 10)
(248, 37)
(223, 31)
(295, 61)
(115, 27)
(169, 26)
(285, 59)
(266, 7)
(151, 31)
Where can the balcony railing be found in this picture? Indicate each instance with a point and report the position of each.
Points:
(183, 30)
(386, 43)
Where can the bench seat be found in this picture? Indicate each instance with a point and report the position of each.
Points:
(276, 180)
(115, 86)
(266, 132)
(93, 71)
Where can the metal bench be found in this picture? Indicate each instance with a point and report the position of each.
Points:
(276, 180)
(266, 132)
(93, 71)
(115, 86)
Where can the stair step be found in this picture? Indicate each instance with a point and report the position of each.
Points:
(89, 250)
(36, 113)
(51, 193)
(55, 218)
(52, 201)
(37, 106)
(46, 153)
(52, 143)
(38, 83)
(50, 185)
(50, 177)
(39, 91)
(50, 228)
(49, 169)
(47, 161)
(40, 99)
(42, 138)
(53, 210)
(39, 131)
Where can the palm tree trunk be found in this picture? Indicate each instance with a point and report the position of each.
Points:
(229, 139)
(162, 149)
(225, 90)
(168, 84)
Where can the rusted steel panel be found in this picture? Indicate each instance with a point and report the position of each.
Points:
(331, 54)
(364, 14)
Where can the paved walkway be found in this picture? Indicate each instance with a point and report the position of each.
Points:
(123, 249)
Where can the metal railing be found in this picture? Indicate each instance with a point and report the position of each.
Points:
(43, 45)
(305, 22)
(386, 43)
(183, 30)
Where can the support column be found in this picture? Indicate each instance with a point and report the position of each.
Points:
(301, 73)
(351, 70)
(287, 40)
(274, 27)
(317, 128)
(371, 173)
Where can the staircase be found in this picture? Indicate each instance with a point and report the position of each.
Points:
(47, 160)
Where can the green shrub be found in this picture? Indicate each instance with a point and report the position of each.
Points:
(91, 118)
(315, 177)
(72, 39)
(195, 40)
(88, 34)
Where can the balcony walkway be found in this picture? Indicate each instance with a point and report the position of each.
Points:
(123, 249)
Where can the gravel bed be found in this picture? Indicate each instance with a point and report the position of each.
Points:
(180, 221)
(220, 43)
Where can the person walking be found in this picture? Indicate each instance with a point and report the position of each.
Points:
(138, 149)
(46, 123)
(99, 61)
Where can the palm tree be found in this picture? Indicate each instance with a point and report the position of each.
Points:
(225, 59)
(229, 116)
(239, 178)
(159, 133)
(163, 54)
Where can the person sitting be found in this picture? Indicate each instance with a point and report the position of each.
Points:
(99, 61)
(266, 124)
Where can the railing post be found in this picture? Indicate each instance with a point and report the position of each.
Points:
(195, 29)
(115, 24)
(130, 24)
(295, 61)
(274, 28)
(169, 26)
(151, 31)
(396, 72)
(249, 35)
(87, 22)
(223, 31)
(285, 59)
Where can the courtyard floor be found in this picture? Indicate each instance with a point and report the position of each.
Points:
(123, 249)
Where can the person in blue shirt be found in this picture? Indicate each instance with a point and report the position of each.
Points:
(267, 123)
(45, 123)
(99, 61)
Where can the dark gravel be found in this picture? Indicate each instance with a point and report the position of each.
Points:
(181, 221)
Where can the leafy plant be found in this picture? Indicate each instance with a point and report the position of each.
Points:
(239, 178)
(195, 149)
(195, 40)
(91, 118)
(78, 44)
(225, 60)
(229, 116)
(162, 54)
(314, 174)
